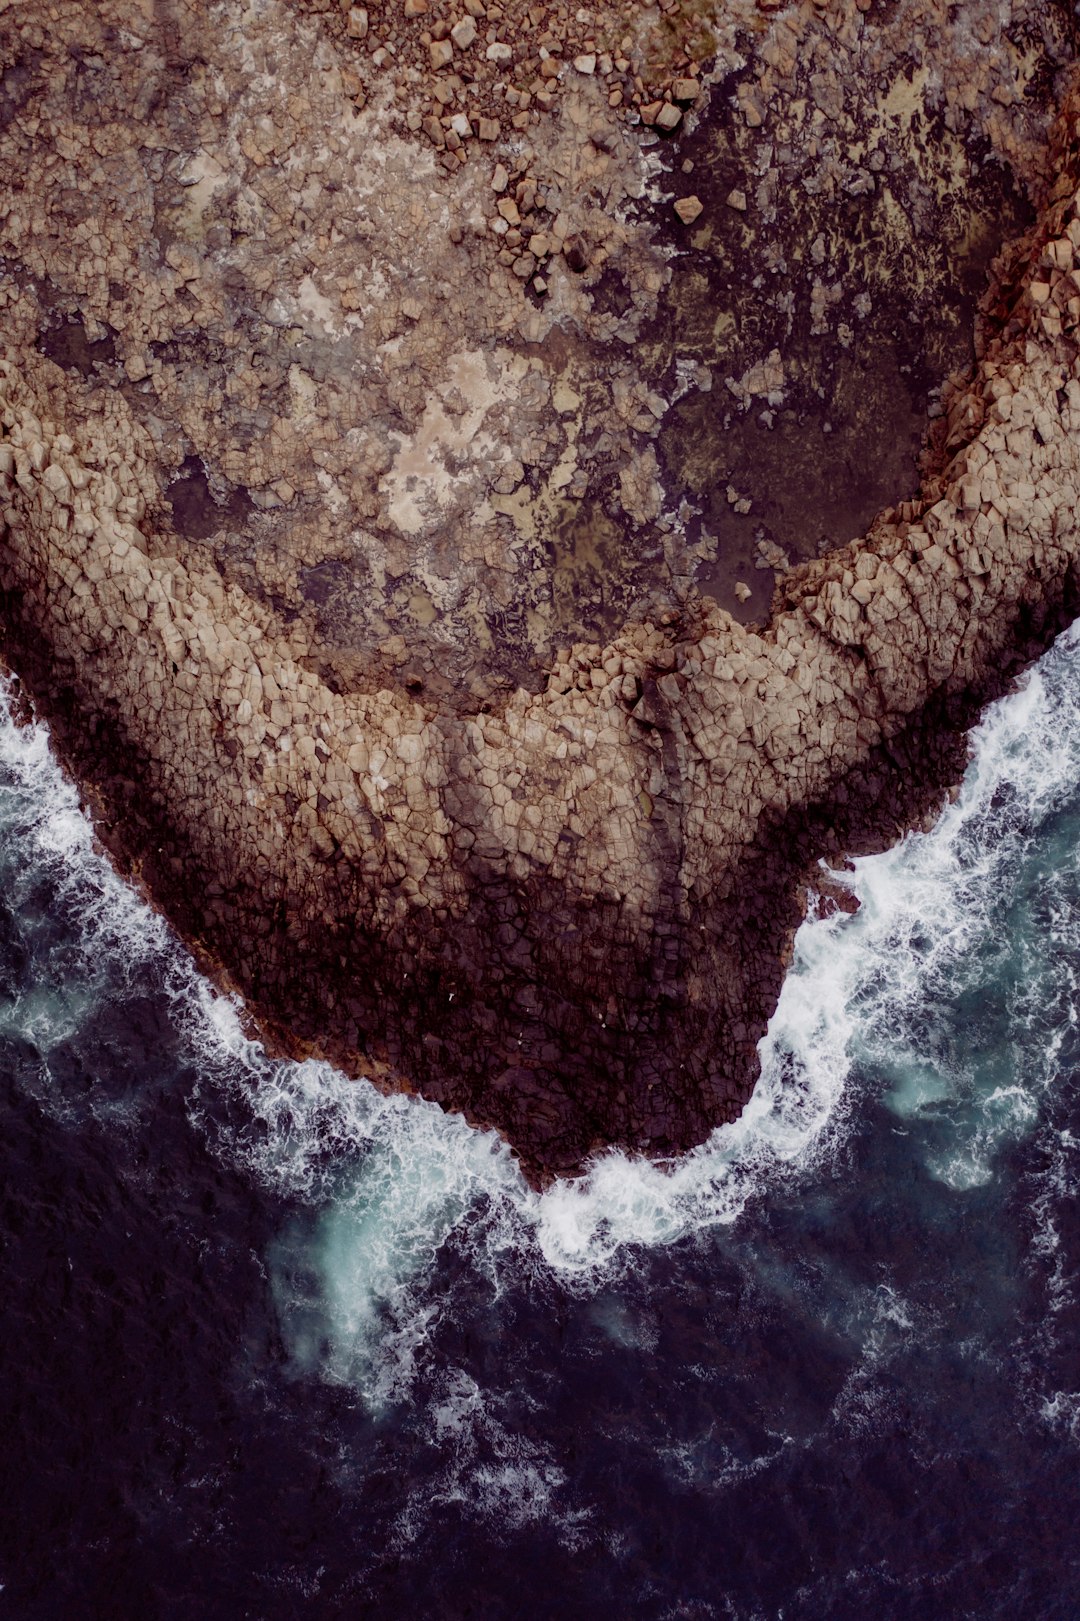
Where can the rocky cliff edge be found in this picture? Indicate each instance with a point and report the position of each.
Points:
(566, 911)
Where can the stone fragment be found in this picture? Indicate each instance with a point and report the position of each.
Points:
(463, 33)
(357, 22)
(689, 209)
(669, 117)
(441, 52)
(586, 63)
(685, 89)
(737, 199)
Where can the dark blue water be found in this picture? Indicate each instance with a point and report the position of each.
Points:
(275, 1346)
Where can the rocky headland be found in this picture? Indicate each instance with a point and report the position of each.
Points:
(494, 493)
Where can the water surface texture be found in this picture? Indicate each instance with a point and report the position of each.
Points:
(276, 1345)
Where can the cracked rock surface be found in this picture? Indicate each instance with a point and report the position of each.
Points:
(378, 504)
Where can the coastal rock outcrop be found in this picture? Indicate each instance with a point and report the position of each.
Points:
(272, 563)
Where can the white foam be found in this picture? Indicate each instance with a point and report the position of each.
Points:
(507, 1478)
(400, 1180)
(1055, 1187)
(1061, 1412)
(52, 839)
(395, 1180)
(50, 864)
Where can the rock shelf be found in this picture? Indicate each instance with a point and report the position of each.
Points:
(289, 462)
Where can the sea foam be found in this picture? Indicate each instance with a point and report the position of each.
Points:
(391, 1181)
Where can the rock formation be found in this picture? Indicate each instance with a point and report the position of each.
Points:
(342, 544)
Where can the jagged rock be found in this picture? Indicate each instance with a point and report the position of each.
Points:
(313, 547)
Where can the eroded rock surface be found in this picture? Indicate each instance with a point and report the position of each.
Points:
(358, 560)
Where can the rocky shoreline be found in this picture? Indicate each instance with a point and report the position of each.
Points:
(323, 714)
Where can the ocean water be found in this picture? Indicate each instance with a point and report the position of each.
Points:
(274, 1345)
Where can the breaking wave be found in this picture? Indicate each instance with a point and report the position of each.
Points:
(971, 917)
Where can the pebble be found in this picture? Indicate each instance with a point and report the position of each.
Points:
(689, 209)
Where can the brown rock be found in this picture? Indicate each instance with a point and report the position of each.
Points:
(689, 209)
(685, 89)
(321, 722)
